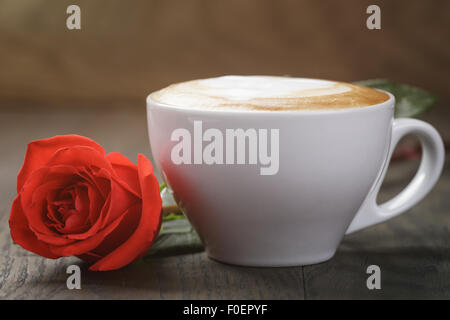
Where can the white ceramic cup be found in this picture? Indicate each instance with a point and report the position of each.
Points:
(331, 167)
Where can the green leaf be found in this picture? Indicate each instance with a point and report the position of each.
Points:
(176, 237)
(173, 216)
(410, 101)
(162, 187)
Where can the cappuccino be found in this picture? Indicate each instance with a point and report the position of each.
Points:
(267, 93)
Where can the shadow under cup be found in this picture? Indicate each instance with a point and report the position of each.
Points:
(328, 162)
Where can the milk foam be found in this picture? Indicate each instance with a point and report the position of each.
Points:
(267, 93)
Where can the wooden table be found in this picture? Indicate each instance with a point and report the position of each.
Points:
(413, 250)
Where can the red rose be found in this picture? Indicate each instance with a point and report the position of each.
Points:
(75, 200)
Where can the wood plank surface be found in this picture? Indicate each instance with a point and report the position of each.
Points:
(411, 250)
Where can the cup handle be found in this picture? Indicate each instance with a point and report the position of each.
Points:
(370, 212)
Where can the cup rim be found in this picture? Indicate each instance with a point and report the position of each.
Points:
(385, 104)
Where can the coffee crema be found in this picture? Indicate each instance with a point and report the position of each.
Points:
(268, 93)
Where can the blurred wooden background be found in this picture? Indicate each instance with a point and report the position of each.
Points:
(127, 49)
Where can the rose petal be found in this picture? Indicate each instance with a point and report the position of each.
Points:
(34, 201)
(120, 234)
(89, 257)
(76, 220)
(79, 156)
(52, 214)
(96, 203)
(40, 151)
(21, 233)
(126, 170)
(118, 202)
(60, 176)
(121, 200)
(141, 240)
(37, 218)
(100, 182)
(88, 244)
(35, 204)
(96, 227)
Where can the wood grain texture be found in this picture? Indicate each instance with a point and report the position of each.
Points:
(412, 250)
